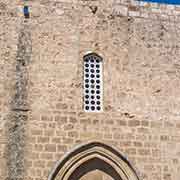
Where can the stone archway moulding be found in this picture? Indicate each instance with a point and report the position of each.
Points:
(116, 165)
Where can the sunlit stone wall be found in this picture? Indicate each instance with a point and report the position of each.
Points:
(41, 84)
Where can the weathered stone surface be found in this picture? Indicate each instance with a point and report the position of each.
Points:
(41, 99)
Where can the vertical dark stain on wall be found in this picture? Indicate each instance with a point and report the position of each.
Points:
(19, 108)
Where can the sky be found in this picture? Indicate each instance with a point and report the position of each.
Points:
(175, 2)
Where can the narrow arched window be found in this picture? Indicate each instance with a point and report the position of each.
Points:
(93, 83)
(26, 12)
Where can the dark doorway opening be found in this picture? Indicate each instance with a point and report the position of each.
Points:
(94, 164)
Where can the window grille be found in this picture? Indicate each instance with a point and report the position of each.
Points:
(93, 85)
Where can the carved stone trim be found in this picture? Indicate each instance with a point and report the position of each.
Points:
(95, 151)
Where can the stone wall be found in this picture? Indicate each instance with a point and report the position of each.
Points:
(140, 45)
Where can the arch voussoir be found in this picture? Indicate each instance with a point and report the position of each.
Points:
(93, 156)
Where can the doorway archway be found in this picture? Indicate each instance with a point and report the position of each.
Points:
(90, 157)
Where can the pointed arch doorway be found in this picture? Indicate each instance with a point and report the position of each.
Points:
(92, 157)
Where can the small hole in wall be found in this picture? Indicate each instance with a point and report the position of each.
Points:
(26, 12)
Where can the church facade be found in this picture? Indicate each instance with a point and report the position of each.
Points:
(89, 90)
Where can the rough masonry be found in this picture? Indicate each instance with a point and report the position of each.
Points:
(41, 84)
(19, 108)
